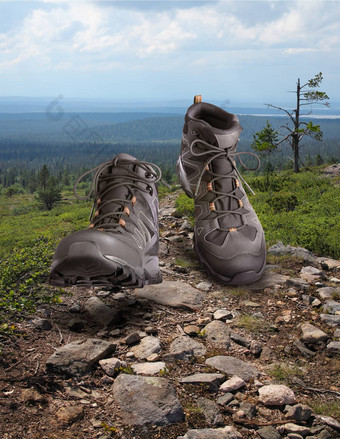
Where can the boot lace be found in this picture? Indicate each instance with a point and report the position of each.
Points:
(214, 152)
(130, 179)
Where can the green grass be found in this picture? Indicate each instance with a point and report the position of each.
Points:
(252, 324)
(284, 372)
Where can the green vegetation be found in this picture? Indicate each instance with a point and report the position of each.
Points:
(185, 206)
(252, 324)
(325, 407)
(284, 372)
(300, 209)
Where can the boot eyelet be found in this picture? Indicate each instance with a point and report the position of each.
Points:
(148, 174)
(150, 190)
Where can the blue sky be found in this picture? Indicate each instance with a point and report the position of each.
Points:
(234, 51)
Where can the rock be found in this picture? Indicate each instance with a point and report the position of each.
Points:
(331, 307)
(225, 399)
(312, 334)
(337, 333)
(212, 433)
(255, 348)
(268, 433)
(280, 249)
(111, 366)
(79, 357)
(299, 412)
(75, 308)
(172, 293)
(331, 422)
(298, 283)
(268, 280)
(218, 333)
(276, 394)
(185, 348)
(191, 330)
(163, 249)
(186, 226)
(240, 340)
(299, 429)
(323, 435)
(248, 409)
(210, 411)
(204, 286)
(132, 338)
(333, 347)
(330, 319)
(41, 324)
(328, 292)
(147, 400)
(76, 324)
(100, 312)
(294, 436)
(68, 415)
(311, 274)
(233, 366)
(303, 348)
(335, 280)
(211, 380)
(223, 314)
(234, 383)
(328, 263)
(31, 396)
(148, 346)
(149, 368)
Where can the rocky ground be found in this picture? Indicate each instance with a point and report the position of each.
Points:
(189, 358)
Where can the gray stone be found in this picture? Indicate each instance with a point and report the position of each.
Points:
(211, 380)
(75, 308)
(328, 292)
(172, 293)
(268, 433)
(212, 433)
(328, 263)
(299, 429)
(312, 334)
(191, 329)
(311, 274)
(223, 314)
(331, 422)
(240, 340)
(330, 319)
(233, 384)
(233, 366)
(204, 286)
(333, 347)
(294, 436)
(132, 338)
(268, 280)
(255, 347)
(152, 368)
(324, 434)
(111, 366)
(298, 283)
(76, 324)
(331, 307)
(299, 412)
(225, 399)
(218, 334)
(280, 249)
(79, 357)
(276, 394)
(248, 409)
(185, 348)
(41, 324)
(68, 415)
(147, 400)
(210, 411)
(337, 333)
(149, 345)
(100, 312)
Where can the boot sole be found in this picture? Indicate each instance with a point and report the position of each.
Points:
(91, 268)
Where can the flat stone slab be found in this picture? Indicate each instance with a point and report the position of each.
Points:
(268, 280)
(280, 249)
(233, 366)
(147, 400)
(100, 312)
(212, 380)
(312, 334)
(331, 320)
(152, 368)
(212, 433)
(78, 357)
(172, 293)
(276, 394)
(148, 346)
(218, 333)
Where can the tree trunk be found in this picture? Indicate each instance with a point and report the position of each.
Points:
(295, 135)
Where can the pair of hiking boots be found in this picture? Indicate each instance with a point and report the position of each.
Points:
(120, 246)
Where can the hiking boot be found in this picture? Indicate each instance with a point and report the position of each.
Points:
(228, 238)
(120, 246)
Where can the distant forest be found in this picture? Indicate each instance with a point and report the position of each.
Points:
(73, 143)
